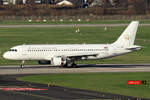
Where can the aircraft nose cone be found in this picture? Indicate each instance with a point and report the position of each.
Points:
(5, 55)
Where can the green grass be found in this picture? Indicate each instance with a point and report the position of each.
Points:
(10, 37)
(104, 82)
(20, 22)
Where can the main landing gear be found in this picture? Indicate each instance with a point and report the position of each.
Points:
(64, 65)
(73, 65)
(22, 64)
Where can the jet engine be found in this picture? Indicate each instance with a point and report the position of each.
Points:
(44, 62)
(57, 61)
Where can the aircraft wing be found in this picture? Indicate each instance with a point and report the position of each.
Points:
(73, 56)
(78, 56)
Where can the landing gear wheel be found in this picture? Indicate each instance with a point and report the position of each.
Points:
(22, 64)
(74, 65)
(66, 65)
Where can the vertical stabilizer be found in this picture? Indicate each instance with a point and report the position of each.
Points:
(128, 36)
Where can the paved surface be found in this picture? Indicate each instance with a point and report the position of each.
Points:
(53, 92)
(39, 69)
(9, 75)
(65, 25)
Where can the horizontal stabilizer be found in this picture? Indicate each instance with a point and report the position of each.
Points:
(134, 47)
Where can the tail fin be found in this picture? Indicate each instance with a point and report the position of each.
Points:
(128, 36)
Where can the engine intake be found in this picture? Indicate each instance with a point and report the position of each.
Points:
(57, 61)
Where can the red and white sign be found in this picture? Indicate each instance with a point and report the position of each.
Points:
(21, 89)
(134, 82)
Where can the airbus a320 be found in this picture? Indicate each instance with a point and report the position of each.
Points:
(64, 54)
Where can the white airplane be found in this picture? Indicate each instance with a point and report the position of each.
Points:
(62, 55)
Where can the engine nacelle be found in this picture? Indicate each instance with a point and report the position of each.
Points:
(57, 61)
(44, 62)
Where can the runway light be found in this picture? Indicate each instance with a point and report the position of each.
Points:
(61, 20)
(79, 20)
(44, 20)
(21, 89)
(30, 20)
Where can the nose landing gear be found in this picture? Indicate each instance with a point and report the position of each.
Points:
(22, 64)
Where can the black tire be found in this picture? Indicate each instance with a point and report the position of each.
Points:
(65, 66)
(22, 66)
(74, 65)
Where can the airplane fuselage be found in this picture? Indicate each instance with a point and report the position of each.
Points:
(47, 52)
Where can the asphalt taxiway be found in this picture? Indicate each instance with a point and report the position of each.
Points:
(52, 92)
(38, 69)
(9, 75)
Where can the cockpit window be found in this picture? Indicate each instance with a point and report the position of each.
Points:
(14, 50)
